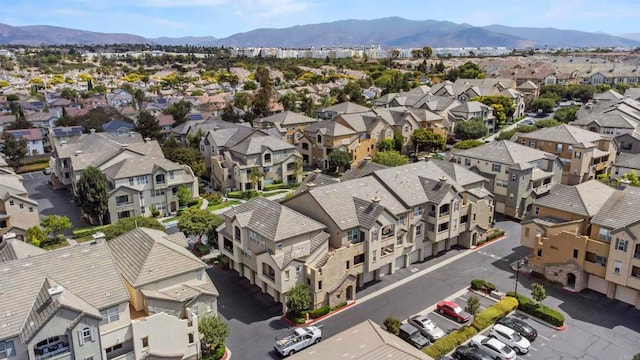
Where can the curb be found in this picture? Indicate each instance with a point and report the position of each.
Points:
(558, 328)
(313, 321)
(490, 242)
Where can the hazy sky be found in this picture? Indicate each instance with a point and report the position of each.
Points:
(221, 18)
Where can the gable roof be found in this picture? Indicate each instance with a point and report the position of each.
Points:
(143, 165)
(364, 168)
(117, 124)
(604, 120)
(258, 142)
(272, 220)
(584, 199)
(564, 134)
(621, 209)
(288, 118)
(346, 107)
(146, 255)
(315, 179)
(626, 160)
(329, 127)
(505, 152)
(14, 249)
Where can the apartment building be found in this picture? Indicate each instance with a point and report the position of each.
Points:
(586, 236)
(271, 245)
(585, 154)
(18, 211)
(82, 309)
(288, 123)
(232, 153)
(138, 174)
(391, 219)
(517, 174)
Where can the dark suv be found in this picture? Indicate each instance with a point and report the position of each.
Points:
(525, 330)
(411, 334)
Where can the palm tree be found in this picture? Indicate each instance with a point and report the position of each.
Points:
(255, 176)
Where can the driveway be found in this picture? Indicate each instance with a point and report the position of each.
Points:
(52, 202)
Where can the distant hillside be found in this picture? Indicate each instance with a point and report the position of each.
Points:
(632, 36)
(388, 32)
(51, 35)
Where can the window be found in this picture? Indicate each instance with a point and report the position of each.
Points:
(358, 259)
(539, 252)
(626, 145)
(30, 209)
(191, 338)
(319, 139)
(257, 239)
(418, 230)
(417, 211)
(287, 274)
(352, 235)
(617, 267)
(348, 265)
(305, 146)
(21, 206)
(374, 234)
(537, 211)
(6, 349)
(237, 234)
(532, 143)
(467, 162)
(141, 180)
(621, 244)
(145, 342)
(11, 202)
(267, 158)
(443, 227)
(172, 174)
(268, 271)
(496, 168)
(444, 209)
(577, 154)
(464, 219)
(143, 210)
(86, 335)
(113, 348)
(502, 183)
(570, 150)
(110, 315)
(400, 220)
(122, 199)
(160, 179)
(156, 193)
(130, 181)
(298, 270)
(375, 254)
(575, 253)
(559, 148)
(596, 259)
(604, 235)
(320, 285)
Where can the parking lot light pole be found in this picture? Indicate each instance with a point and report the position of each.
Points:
(522, 259)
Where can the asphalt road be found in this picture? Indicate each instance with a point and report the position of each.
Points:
(597, 328)
(52, 202)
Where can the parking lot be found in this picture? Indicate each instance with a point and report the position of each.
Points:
(58, 202)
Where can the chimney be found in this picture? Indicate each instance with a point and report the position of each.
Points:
(623, 184)
(55, 291)
(93, 131)
(78, 152)
(98, 238)
(375, 200)
(8, 236)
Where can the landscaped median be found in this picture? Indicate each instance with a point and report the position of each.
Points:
(481, 321)
(539, 311)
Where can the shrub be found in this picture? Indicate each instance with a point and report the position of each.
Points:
(342, 304)
(82, 232)
(542, 312)
(154, 212)
(489, 316)
(636, 356)
(481, 285)
(392, 324)
(495, 235)
(321, 311)
(445, 345)
(203, 249)
(218, 353)
(274, 187)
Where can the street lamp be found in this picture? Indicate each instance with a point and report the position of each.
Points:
(521, 261)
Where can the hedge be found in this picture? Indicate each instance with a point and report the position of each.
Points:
(320, 311)
(341, 305)
(495, 235)
(540, 311)
(445, 345)
(489, 316)
(479, 284)
(86, 231)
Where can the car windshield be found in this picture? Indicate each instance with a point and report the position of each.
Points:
(457, 309)
(516, 337)
(427, 324)
(505, 349)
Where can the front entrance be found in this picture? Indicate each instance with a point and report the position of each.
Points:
(349, 293)
(571, 281)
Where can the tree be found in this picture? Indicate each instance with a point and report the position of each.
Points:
(229, 114)
(427, 140)
(600, 88)
(214, 332)
(288, 101)
(14, 149)
(584, 92)
(566, 114)
(340, 159)
(91, 193)
(148, 126)
(127, 224)
(179, 111)
(385, 145)
(468, 144)
(55, 224)
(473, 305)
(69, 94)
(538, 292)
(471, 129)
(390, 158)
(184, 195)
(503, 107)
(398, 141)
(545, 105)
(198, 222)
(298, 299)
(545, 123)
(392, 325)
(255, 176)
(427, 51)
(507, 134)
(35, 235)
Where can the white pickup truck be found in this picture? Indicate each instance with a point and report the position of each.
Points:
(298, 339)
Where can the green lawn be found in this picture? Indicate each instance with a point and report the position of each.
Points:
(223, 205)
(169, 219)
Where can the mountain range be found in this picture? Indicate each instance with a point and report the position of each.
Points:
(388, 32)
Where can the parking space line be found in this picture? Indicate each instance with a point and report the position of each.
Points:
(532, 348)
(544, 337)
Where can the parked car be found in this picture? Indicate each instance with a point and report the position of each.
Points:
(525, 330)
(427, 327)
(47, 171)
(411, 334)
(493, 347)
(452, 310)
(470, 353)
(511, 338)
(298, 339)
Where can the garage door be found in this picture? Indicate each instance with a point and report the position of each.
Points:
(598, 284)
(368, 277)
(400, 262)
(500, 207)
(626, 294)
(441, 246)
(414, 257)
(426, 251)
(385, 269)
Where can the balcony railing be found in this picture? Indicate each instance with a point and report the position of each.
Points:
(637, 255)
(124, 203)
(228, 247)
(51, 351)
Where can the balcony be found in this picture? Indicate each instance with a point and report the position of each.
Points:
(542, 189)
(228, 245)
(53, 347)
(123, 203)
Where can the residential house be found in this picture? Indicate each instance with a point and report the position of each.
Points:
(288, 123)
(585, 154)
(401, 120)
(118, 127)
(6, 120)
(85, 307)
(166, 124)
(517, 174)
(613, 74)
(605, 123)
(273, 246)
(43, 120)
(473, 110)
(33, 138)
(119, 98)
(390, 219)
(233, 151)
(530, 91)
(137, 172)
(586, 236)
(625, 164)
(64, 133)
(330, 112)
(18, 211)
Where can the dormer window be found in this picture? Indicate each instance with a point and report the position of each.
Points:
(319, 139)
(160, 179)
(267, 158)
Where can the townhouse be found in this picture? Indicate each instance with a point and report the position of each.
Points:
(138, 175)
(585, 154)
(288, 124)
(389, 220)
(586, 237)
(18, 211)
(33, 137)
(138, 296)
(517, 175)
(346, 107)
(233, 151)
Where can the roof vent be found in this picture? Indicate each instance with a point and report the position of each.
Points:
(375, 199)
(310, 184)
(63, 142)
(443, 178)
(56, 290)
(317, 171)
(147, 139)
(93, 131)
(78, 152)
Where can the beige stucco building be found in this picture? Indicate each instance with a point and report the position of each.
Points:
(18, 211)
